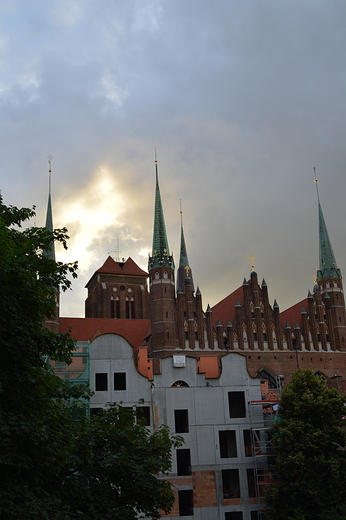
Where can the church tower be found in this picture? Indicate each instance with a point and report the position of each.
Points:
(53, 323)
(329, 293)
(161, 283)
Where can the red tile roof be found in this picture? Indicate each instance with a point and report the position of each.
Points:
(293, 315)
(87, 329)
(224, 310)
(129, 267)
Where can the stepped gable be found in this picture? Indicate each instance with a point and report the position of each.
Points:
(225, 309)
(87, 329)
(293, 314)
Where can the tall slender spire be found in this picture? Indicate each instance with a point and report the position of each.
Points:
(160, 253)
(184, 270)
(328, 267)
(50, 253)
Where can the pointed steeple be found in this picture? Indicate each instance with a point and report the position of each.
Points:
(160, 256)
(328, 267)
(50, 253)
(184, 271)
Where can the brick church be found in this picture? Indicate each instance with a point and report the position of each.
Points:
(200, 369)
(168, 316)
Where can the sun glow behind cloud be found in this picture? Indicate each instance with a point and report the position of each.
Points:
(91, 216)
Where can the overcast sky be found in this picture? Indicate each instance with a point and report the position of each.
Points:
(242, 98)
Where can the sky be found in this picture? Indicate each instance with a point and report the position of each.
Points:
(241, 98)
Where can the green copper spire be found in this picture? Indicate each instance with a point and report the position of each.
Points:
(50, 253)
(328, 267)
(160, 252)
(184, 270)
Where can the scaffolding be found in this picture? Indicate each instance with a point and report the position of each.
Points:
(78, 372)
(262, 413)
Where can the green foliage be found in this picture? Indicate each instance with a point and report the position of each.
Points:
(52, 467)
(34, 418)
(116, 464)
(309, 439)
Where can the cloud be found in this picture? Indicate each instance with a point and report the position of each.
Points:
(241, 99)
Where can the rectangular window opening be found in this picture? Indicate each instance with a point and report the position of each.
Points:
(234, 515)
(143, 415)
(120, 381)
(230, 483)
(228, 444)
(181, 420)
(101, 382)
(247, 443)
(185, 498)
(251, 483)
(183, 462)
(236, 401)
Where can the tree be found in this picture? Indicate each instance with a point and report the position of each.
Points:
(35, 424)
(116, 464)
(309, 439)
(53, 467)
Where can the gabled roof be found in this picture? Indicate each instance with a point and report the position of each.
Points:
(87, 329)
(129, 267)
(225, 310)
(112, 267)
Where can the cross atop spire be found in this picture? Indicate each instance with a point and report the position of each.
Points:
(160, 252)
(328, 267)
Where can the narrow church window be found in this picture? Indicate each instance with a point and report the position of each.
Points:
(117, 307)
(112, 307)
(181, 421)
(185, 498)
(166, 314)
(165, 275)
(127, 309)
(133, 316)
(101, 382)
(183, 462)
(228, 444)
(157, 275)
(236, 401)
(230, 483)
(120, 381)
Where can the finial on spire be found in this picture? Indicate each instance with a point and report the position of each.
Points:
(316, 182)
(50, 158)
(252, 258)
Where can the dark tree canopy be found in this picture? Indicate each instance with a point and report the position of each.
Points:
(309, 439)
(52, 467)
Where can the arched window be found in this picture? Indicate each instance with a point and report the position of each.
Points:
(180, 384)
(157, 276)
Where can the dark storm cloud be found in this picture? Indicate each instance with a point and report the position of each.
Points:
(241, 100)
